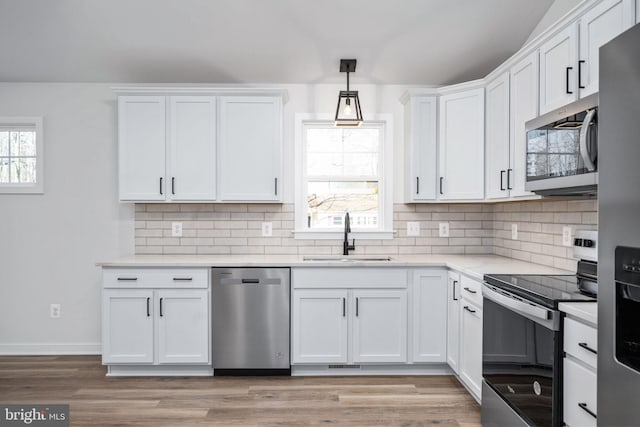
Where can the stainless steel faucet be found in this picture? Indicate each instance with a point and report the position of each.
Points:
(346, 247)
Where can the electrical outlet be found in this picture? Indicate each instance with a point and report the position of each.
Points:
(176, 229)
(54, 311)
(566, 236)
(514, 231)
(413, 229)
(443, 229)
(267, 229)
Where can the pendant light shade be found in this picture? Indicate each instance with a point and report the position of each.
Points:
(348, 112)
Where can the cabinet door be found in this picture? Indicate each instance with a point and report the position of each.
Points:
(141, 146)
(183, 326)
(523, 107)
(192, 148)
(379, 326)
(462, 145)
(127, 326)
(250, 148)
(558, 73)
(471, 347)
(421, 160)
(453, 321)
(497, 137)
(579, 393)
(597, 27)
(319, 326)
(429, 295)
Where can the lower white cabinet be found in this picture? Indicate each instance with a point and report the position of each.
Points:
(429, 318)
(471, 347)
(340, 326)
(453, 321)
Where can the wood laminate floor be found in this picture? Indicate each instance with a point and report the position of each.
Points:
(233, 401)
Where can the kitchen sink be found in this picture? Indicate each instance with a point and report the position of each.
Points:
(344, 258)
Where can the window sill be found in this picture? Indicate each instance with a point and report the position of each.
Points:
(339, 235)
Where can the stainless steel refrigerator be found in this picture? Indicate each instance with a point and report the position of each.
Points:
(619, 232)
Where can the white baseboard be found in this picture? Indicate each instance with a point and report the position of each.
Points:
(49, 349)
(346, 370)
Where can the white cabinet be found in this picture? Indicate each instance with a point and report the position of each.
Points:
(453, 321)
(461, 157)
(471, 347)
(558, 69)
(192, 148)
(421, 147)
(156, 316)
(323, 318)
(598, 26)
(250, 148)
(523, 107)
(380, 326)
(319, 326)
(429, 318)
(141, 136)
(497, 137)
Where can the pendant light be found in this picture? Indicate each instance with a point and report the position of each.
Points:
(348, 112)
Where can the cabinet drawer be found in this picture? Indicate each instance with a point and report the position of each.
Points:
(579, 395)
(155, 277)
(579, 340)
(349, 277)
(471, 290)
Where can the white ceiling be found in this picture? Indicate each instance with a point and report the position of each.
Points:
(422, 42)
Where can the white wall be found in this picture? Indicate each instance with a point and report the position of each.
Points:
(49, 243)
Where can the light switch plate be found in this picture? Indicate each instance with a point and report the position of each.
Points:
(443, 229)
(267, 229)
(55, 311)
(413, 228)
(514, 231)
(566, 235)
(176, 229)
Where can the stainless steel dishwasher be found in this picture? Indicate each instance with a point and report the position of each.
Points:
(251, 321)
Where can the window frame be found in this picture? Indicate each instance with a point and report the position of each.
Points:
(27, 188)
(384, 122)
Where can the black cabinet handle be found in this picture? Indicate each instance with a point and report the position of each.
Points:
(183, 279)
(441, 178)
(173, 185)
(276, 185)
(466, 307)
(567, 79)
(417, 185)
(509, 179)
(580, 74)
(583, 406)
(502, 180)
(357, 307)
(161, 315)
(161, 185)
(127, 279)
(344, 307)
(148, 312)
(254, 281)
(455, 282)
(471, 291)
(586, 347)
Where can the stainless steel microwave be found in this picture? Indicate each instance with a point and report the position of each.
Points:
(562, 150)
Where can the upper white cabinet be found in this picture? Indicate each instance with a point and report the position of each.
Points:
(597, 27)
(192, 148)
(497, 137)
(429, 319)
(141, 135)
(250, 148)
(461, 157)
(558, 69)
(421, 147)
(523, 106)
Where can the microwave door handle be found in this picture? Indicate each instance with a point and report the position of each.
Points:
(584, 131)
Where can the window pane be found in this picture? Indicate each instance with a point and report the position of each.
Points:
(4, 143)
(4, 170)
(361, 164)
(23, 170)
(361, 140)
(324, 164)
(329, 200)
(27, 144)
(324, 140)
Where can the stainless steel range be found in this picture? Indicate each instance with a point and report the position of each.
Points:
(522, 340)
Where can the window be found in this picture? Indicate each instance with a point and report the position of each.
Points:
(343, 169)
(21, 155)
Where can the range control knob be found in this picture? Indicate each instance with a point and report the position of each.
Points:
(577, 242)
(588, 243)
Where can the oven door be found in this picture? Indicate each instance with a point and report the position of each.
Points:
(521, 358)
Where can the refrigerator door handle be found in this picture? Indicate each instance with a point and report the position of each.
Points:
(584, 150)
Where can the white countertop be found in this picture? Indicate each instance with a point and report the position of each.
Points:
(585, 311)
(475, 266)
